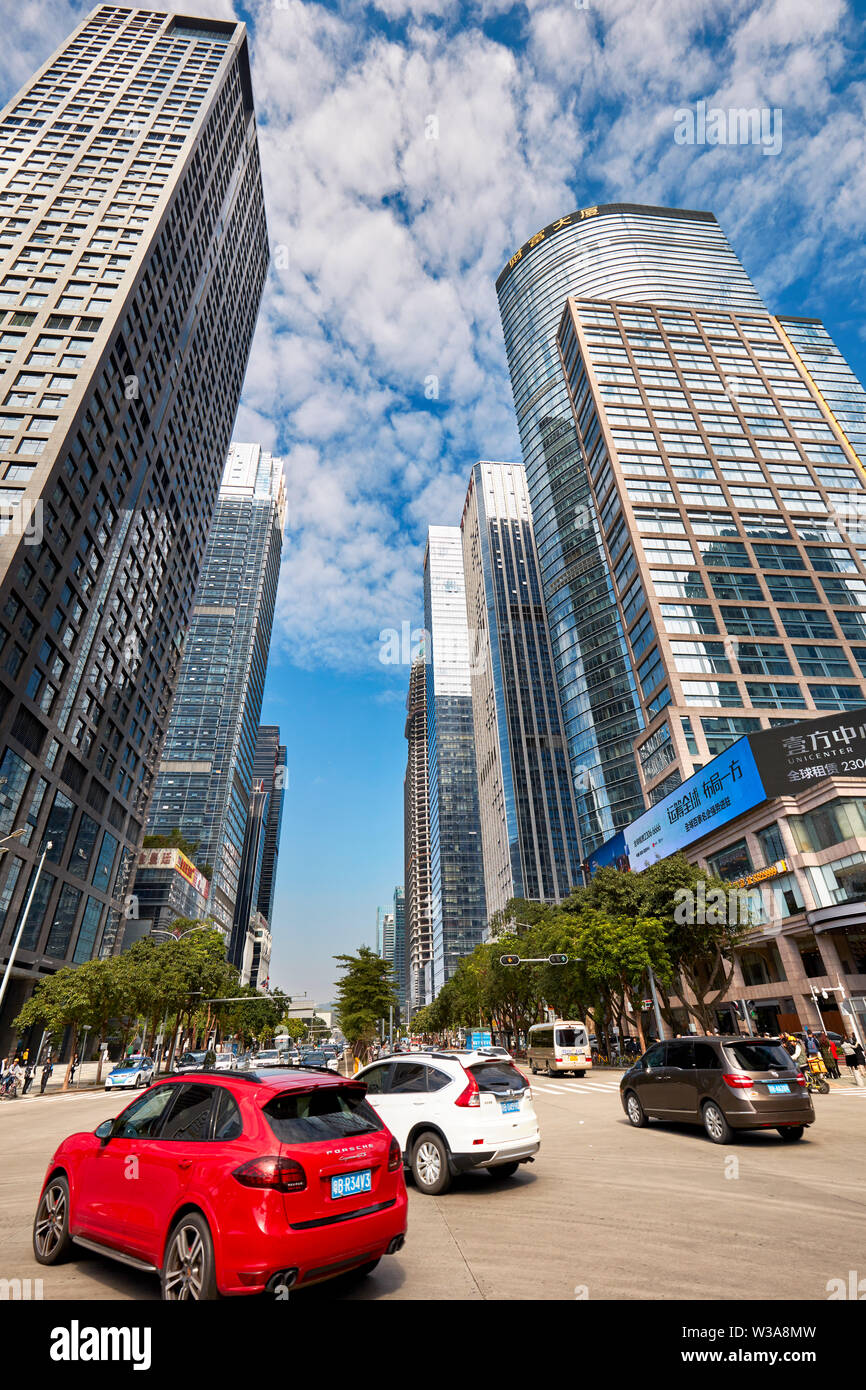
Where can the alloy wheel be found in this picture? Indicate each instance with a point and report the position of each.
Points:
(50, 1220)
(713, 1121)
(184, 1266)
(634, 1111)
(429, 1163)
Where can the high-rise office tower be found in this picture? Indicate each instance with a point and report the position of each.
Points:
(205, 777)
(526, 802)
(731, 506)
(400, 947)
(458, 912)
(625, 252)
(262, 835)
(133, 252)
(385, 934)
(271, 767)
(416, 844)
(713, 463)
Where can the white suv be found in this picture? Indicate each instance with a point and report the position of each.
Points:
(452, 1111)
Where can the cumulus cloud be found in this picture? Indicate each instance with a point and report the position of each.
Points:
(408, 146)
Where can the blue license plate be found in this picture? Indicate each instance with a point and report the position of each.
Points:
(510, 1105)
(349, 1184)
(781, 1090)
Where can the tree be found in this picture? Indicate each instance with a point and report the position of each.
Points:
(365, 995)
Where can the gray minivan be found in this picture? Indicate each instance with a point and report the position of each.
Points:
(722, 1083)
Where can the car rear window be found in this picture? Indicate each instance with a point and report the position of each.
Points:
(497, 1076)
(571, 1037)
(760, 1056)
(329, 1112)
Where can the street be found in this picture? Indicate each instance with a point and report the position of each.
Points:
(606, 1211)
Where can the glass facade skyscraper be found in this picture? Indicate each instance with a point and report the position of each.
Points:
(206, 775)
(458, 911)
(416, 843)
(731, 503)
(400, 947)
(133, 252)
(527, 811)
(622, 251)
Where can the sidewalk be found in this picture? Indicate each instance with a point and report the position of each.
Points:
(85, 1080)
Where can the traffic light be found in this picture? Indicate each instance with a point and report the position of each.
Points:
(558, 960)
(509, 960)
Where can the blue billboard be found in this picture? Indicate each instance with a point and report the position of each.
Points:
(729, 785)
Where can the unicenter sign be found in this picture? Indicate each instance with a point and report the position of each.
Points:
(773, 762)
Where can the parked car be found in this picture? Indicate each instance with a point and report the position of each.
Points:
(722, 1083)
(225, 1061)
(317, 1058)
(439, 1104)
(244, 1183)
(133, 1072)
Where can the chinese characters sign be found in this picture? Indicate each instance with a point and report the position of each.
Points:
(790, 757)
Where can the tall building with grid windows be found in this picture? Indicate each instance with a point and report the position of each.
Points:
(458, 910)
(416, 844)
(618, 251)
(525, 795)
(400, 947)
(133, 253)
(205, 778)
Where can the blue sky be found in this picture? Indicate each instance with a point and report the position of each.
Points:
(386, 244)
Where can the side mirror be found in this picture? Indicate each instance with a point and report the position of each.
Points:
(104, 1131)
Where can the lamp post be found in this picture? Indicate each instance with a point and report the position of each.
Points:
(20, 932)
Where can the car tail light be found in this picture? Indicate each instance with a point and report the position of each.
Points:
(395, 1156)
(471, 1096)
(279, 1174)
(801, 1080)
(738, 1080)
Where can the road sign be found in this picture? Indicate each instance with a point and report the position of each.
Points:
(480, 1039)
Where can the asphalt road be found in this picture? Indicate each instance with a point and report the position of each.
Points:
(605, 1212)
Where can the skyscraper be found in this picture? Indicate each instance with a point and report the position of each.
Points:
(385, 934)
(458, 913)
(270, 766)
(626, 252)
(733, 513)
(526, 802)
(416, 843)
(133, 252)
(400, 947)
(206, 775)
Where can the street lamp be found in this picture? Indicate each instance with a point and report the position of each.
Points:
(20, 932)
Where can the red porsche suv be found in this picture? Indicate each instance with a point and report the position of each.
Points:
(231, 1183)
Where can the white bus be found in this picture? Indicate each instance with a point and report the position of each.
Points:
(561, 1046)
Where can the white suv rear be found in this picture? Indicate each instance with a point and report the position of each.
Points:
(452, 1111)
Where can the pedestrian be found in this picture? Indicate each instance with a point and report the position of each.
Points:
(812, 1048)
(28, 1077)
(859, 1057)
(826, 1055)
(833, 1061)
(73, 1069)
(47, 1069)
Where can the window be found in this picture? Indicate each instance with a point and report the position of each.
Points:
(771, 843)
(228, 1124)
(189, 1119)
(731, 863)
(680, 1053)
(408, 1076)
(328, 1112)
(376, 1079)
(143, 1118)
(706, 1057)
(503, 1076)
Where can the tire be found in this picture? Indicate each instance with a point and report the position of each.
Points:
(188, 1271)
(51, 1241)
(791, 1133)
(635, 1112)
(363, 1270)
(580, 1075)
(823, 1086)
(533, 1068)
(430, 1167)
(715, 1125)
(503, 1170)
(137, 1082)
(547, 1070)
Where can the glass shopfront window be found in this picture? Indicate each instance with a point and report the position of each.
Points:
(830, 824)
(731, 863)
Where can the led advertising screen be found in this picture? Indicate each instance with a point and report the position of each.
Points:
(790, 757)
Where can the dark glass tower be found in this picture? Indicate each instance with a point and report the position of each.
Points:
(206, 775)
(261, 838)
(133, 252)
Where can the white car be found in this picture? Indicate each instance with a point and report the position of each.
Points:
(131, 1073)
(454, 1111)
